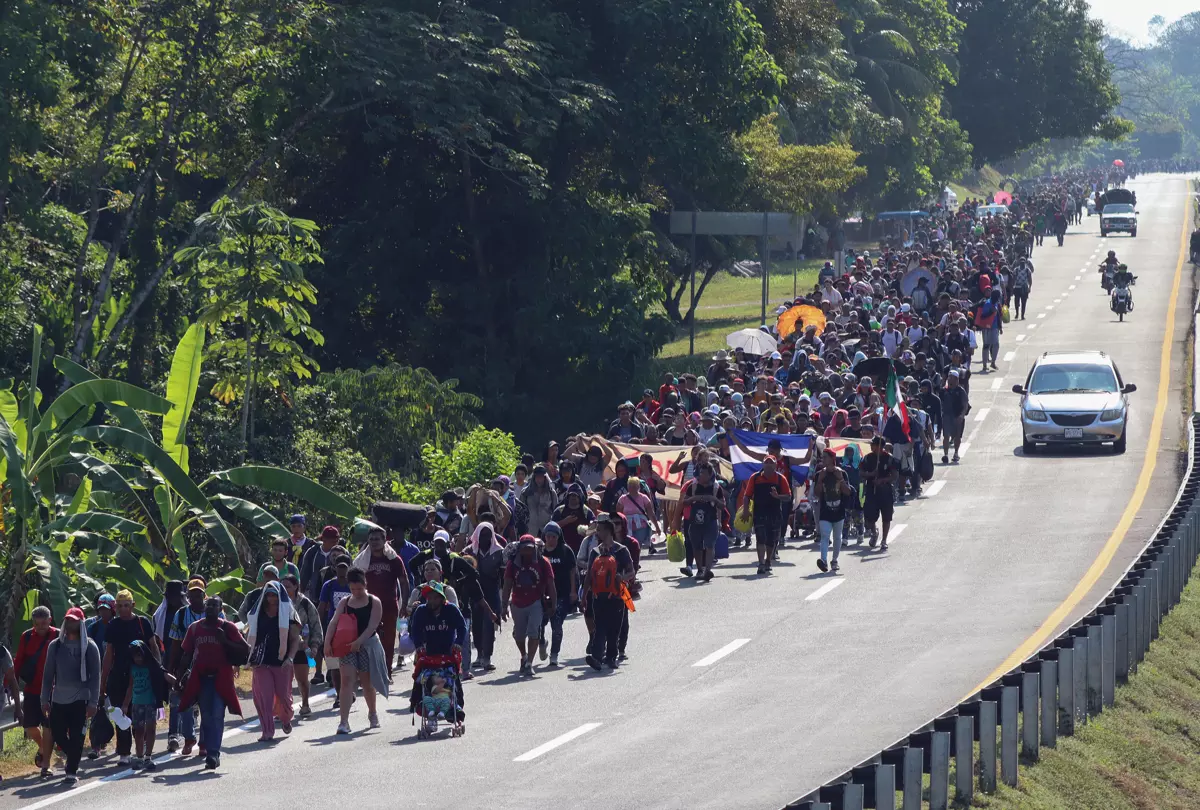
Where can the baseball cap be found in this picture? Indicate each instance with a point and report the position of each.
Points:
(297, 519)
(106, 600)
(76, 614)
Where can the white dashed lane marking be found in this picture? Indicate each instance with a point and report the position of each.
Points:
(556, 742)
(713, 658)
(828, 586)
(1008, 356)
(982, 414)
(935, 487)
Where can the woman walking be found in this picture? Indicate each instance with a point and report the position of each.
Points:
(362, 612)
(312, 637)
(273, 633)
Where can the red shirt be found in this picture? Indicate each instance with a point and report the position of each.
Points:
(27, 648)
(387, 579)
(759, 487)
(530, 582)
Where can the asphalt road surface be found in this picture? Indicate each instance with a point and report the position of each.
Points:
(749, 692)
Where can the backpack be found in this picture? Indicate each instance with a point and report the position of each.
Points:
(604, 575)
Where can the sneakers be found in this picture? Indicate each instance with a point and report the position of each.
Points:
(593, 662)
(824, 566)
(834, 567)
(337, 701)
(125, 760)
(708, 575)
(489, 666)
(554, 660)
(762, 569)
(70, 780)
(149, 764)
(211, 763)
(526, 667)
(305, 712)
(173, 743)
(93, 754)
(543, 650)
(611, 663)
(188, 745)
(286, 726)
(343, 728)
(373, 720)
(317, 680)
(477, 663)
(883, 546)
(687, 572)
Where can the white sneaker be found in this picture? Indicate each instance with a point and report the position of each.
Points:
(554, 660)
(123, 760)
(373, 719)
(343, 728)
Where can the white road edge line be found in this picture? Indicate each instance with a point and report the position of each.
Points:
(998, 382)
(1008, 356)
(897, 528)
(935, 487)
(713, 658)
(1071, 287)
(962, 451)
(1041, 314)
(824, 589)
(1021, 337)
(556, 742)
(982, 414)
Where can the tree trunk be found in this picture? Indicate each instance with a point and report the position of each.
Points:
(14, 580)
(247, 390)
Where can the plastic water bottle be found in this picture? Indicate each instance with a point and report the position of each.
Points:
(402, 626)
(312, 662)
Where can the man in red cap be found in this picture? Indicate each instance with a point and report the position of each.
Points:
(70, 690)
(766, 489)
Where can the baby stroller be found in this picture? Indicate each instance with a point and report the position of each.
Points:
(437, 694)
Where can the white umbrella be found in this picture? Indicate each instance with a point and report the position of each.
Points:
(752, 341)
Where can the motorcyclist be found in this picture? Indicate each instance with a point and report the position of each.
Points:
(1107, 269)
(1122, 278)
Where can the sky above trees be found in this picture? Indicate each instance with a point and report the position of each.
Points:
(1131, 19)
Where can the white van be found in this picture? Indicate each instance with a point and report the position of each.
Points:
(949, 198)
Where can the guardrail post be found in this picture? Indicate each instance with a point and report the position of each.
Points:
(852, 797)
(885, 787)
(842, 796)
(1079, 671)
(1008, 734)
(1066, 691)
(939, 771)
(1049, 684)
(987, 746)
(1108, 656)
(1155, 605)
(964, 759)
(914, 778)
(1095, 690)
(1029, 714)
(1122, 637)
(1141, 597)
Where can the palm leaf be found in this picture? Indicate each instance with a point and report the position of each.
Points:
(118, 487)
(286, 482)
(55, 586)
(24, 499)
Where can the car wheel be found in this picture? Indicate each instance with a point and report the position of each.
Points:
(1119, 444)
(1028, 447)
(1103, 233)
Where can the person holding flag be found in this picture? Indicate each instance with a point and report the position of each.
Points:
(897, 429)
(766, 489)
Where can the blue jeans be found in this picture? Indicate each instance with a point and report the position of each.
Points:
(557, 618)
(212, 715)
(835, 529)
(180, 723)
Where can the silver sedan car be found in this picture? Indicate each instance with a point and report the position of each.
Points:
(1074, 398)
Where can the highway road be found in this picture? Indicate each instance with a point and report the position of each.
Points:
(749, 692)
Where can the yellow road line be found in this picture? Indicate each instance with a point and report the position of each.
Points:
(1035, 642)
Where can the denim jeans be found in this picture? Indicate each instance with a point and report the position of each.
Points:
(212, 715)
(835, 529)
(556, 625)
(180, 723)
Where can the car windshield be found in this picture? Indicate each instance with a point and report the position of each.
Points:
(1069, 378)
(1118, 208)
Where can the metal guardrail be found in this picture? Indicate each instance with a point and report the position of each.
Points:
(1071, 679)
(4, 729)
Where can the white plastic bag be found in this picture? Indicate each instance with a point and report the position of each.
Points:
(118, 718)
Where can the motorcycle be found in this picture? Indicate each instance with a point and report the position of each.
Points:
(1106, 277)
(1121, 301)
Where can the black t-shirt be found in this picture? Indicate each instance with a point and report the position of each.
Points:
(562, 560)
(883, 465)
(422, 539)
(833, 500)
(120, 634)
(851, 432)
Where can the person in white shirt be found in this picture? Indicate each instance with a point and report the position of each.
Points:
(891, 338)
(831, 294)
(916, 333)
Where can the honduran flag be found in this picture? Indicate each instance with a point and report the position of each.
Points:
(796, 448)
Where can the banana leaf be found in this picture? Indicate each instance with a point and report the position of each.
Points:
(143, 448)
(286, 482)
(96, 392)
(263, 520)
(115, 485)
(224, 534)
(182, 383)
(101, 522)
(24, 499)
(127, 416)
(56, 586)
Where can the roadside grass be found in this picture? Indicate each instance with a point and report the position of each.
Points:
(1141, 754)
(731, 303)
(17, 757)
(977, 183)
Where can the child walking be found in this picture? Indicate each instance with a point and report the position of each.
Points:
(148, 691)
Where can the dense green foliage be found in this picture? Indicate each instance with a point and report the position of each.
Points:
(400, 191)
(481, 455)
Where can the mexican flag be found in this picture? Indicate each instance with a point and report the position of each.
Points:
(895, 400)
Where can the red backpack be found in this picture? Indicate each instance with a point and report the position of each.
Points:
(604, 575)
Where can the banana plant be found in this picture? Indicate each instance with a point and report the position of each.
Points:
(36, 447)
(162, 496)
